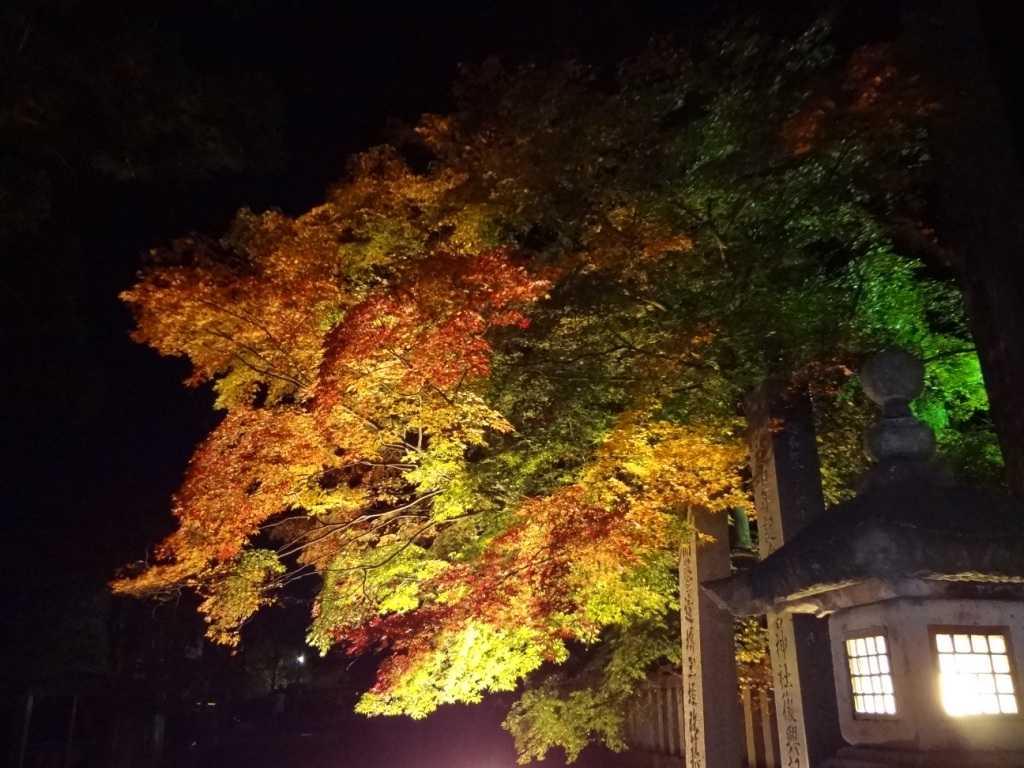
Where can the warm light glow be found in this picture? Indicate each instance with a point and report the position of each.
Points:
(975, 677)
(870, 676)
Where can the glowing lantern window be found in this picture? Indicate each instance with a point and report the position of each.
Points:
(975, 674)
(870, 676)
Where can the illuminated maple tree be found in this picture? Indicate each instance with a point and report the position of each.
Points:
(475, 400)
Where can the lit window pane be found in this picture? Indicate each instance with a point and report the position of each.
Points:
(870, 676)
(974, 674)
(890, 704)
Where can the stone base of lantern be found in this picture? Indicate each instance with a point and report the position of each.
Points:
(872, 757)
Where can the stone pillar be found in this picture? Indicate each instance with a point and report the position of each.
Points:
(786, 478)
(712, 723)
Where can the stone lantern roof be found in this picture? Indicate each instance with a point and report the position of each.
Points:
(912, 531)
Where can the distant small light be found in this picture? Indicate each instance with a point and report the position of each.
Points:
(301, 658)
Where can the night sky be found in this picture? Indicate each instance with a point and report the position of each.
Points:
(96, 429)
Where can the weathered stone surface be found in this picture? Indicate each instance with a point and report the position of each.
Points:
(913, 553)
(903, 438)
(892, 376)
(922, 724)
(786, 477)
(910, 521)
(916, 527)
(712, 722)
(871, 757)
(784, 465)
(892, 379)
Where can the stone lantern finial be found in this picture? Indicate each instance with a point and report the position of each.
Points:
(892, 379)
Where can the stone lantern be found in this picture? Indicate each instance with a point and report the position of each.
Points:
(921, 580)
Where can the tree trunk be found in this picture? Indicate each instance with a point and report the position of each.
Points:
(980, 204)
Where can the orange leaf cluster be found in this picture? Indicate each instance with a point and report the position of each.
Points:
(408, 349)
(246, 471)
(251, 305)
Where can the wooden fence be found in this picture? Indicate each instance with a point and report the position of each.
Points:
(654, 724)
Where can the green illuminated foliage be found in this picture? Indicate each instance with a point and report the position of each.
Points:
(238, 592)
(460, 667)
(568, 710)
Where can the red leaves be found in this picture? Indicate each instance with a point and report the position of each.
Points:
(877, 92)
(428, 332)
(238, 476)
(246, 471)
(395, 361)
(802, 132)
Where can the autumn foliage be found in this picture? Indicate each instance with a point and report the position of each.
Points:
(474, 399)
